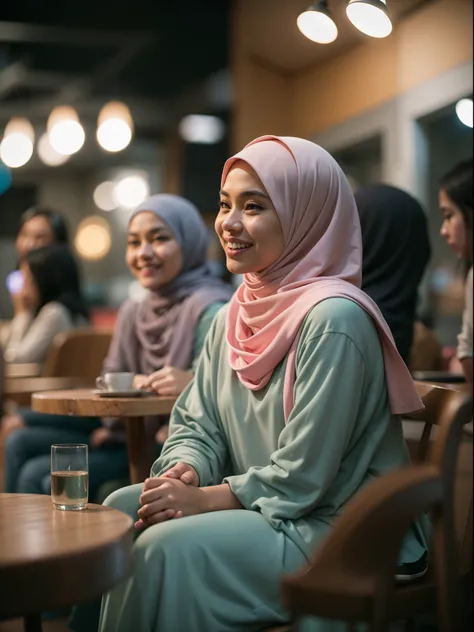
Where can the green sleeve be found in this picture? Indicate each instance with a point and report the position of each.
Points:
(196, 436)
(329, 387)
(202, 330)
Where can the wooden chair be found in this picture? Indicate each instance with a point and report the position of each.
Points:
(78, 353)
(347, 596)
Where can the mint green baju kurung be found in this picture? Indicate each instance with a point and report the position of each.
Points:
(220, 572)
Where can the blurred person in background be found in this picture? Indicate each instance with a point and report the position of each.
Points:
(396, 251)
(39, 227)
(455, 202)
(159, 339)
(48, 302)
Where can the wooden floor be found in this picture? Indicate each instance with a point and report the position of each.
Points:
(58, 625)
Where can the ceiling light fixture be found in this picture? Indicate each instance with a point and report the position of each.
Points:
(16, 147)
(48, 155)
(370, 17)
(115, 127)
(464, 110)
(66, 134)
(130, 191)
(202, 128)
(316, 23)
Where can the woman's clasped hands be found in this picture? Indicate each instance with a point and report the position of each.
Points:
(174, 495)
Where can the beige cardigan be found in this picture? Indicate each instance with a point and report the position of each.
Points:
(28, 338)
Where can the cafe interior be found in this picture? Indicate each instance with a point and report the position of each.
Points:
(117, 363)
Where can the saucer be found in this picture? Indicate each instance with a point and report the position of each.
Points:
(130, 393)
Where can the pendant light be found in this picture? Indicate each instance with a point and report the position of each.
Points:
(370, 17)
(65, 132)
(16, 147)
(316, 23)
(115, 127)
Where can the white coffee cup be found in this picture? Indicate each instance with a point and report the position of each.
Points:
(115, 382)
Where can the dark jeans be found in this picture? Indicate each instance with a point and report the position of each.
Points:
(27, 453)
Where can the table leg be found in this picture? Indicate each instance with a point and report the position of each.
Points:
(141, 449)
(32, 623)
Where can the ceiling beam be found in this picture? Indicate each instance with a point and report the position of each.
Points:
(11, 77)
(64, 35)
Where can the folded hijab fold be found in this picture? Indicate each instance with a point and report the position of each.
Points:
(322, 258)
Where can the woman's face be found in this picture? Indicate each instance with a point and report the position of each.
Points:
(35, 233)
(30, 289)
(453, 228)
(247, 224)
(153, 254)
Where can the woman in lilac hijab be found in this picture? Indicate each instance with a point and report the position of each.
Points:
(159, 339)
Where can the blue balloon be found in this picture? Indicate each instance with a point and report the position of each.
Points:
(5, 178)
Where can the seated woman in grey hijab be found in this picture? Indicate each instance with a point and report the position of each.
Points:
(158, 339)
(396, 251)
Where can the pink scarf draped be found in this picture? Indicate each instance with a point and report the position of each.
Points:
(322, 258)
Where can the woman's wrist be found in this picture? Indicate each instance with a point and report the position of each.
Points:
(219, 498)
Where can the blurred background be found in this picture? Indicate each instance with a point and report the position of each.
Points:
(100, 106)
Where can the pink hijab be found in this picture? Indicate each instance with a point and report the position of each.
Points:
(322, 258)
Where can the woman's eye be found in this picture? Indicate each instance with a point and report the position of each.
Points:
(133, 244)
(253, 207)
(161, 238)
(223, 206)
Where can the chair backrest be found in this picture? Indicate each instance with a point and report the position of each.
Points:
(78, 353)
(359, 556)
(436, 399)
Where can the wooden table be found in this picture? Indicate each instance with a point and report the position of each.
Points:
(22, 370)
(51, 559)
(84, 403)
(20, 389)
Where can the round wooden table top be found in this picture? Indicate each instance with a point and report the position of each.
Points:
(20, 389)
(51, 558)
(84, 403)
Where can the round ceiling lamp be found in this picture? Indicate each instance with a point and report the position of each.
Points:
(202, 128)
(464, 110)
(316, 23)
(370, 17)
(16, 147)
(130, 191)
(104, 196)
(48, 155)
(93, 240)
(66, 134)
(115, 127)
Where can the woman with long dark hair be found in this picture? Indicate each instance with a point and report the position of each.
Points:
(455, 202)
(40, 226)
(48, 303)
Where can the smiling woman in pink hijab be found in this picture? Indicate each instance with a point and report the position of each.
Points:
(294, 407)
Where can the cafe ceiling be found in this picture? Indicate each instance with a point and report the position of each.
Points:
(164, 58)
(272, 36)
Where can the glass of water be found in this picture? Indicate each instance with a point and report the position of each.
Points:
(69, 476)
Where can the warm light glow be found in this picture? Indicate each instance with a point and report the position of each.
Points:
(48, 155)
(66, 134)
(130, 191)
(464, 110)
(104, 196)
(17, 144)
(93, 238)
(202, 128)
(317, 25)
(370, 17)
(115, 126)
